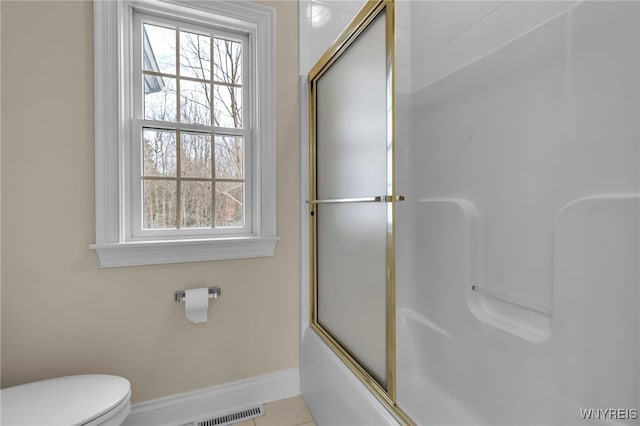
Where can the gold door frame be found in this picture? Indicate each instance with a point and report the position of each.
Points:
(367, 14)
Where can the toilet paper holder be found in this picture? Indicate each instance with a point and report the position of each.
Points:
(214, 292)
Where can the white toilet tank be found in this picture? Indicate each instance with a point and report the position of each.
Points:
(88, 400)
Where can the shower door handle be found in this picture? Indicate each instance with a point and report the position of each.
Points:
(375, 199)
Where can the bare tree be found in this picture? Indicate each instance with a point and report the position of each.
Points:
(211, 95)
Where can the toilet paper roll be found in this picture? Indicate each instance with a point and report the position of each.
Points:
(196, 303)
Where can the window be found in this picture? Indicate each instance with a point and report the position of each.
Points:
(185, 134)
(190, 130)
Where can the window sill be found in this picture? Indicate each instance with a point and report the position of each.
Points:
(176, 251)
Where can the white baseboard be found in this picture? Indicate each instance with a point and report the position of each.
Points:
(182, 408)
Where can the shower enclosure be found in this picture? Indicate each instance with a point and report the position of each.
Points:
(474, 249)
(352, 198)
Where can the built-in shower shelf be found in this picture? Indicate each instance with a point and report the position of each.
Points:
(521, 318)
(512, 300)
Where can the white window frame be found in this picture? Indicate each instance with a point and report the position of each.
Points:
(116, 242)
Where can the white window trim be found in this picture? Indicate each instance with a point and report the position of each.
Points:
(111, 73)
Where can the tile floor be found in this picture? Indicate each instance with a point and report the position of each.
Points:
(285, 412)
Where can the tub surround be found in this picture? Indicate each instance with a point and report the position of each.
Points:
(517, 148)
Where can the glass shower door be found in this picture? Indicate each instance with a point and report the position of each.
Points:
(350, 216)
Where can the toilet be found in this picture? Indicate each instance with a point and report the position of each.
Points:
(88, 400)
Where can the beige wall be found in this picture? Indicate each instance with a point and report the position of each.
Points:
(61, 313)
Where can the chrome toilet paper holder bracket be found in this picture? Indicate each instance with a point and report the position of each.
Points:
(214, 293)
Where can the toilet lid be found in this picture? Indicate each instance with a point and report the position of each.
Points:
(72, 400)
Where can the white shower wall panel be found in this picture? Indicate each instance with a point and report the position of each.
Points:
(595, 342)
(489, 133)
(522, 170)
(447, 35)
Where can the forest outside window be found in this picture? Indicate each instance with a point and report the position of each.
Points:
(192, 168)
(191, 126)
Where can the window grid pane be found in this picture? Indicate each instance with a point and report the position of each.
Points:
(195, 102)
(159, 204)
(196, 155)
(229, 157)
(229, 204)
(159, 49)
(195, 51)
(159, 152)
(227, 64)
(227, 106)
(192, 179)
(159, 98)
(196, 204)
